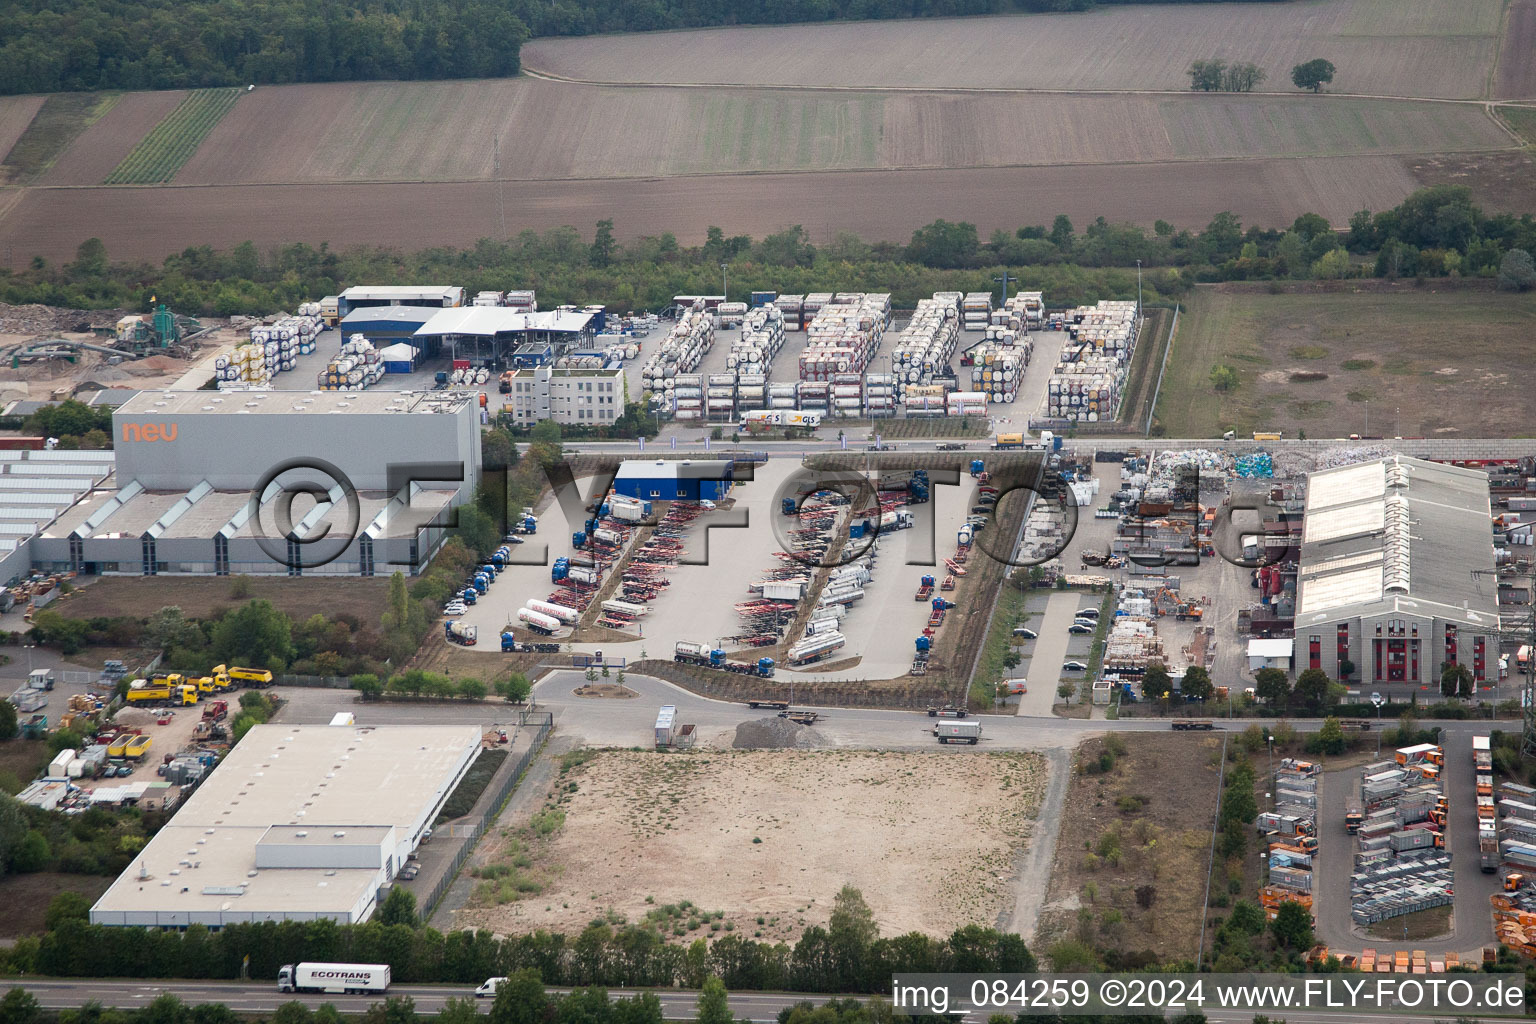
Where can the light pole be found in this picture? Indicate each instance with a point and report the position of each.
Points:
(725, 293)
(1138, 287)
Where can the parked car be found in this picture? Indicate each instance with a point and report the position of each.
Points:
(1087, 613)
(1090, 623)
(1074, 666)
(455, 608)
(1079, 629)
(1025, 633)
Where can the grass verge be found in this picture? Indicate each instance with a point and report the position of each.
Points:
(59, 122)
(464, 795)
(1522, 120)
(990, 670)
(169, 144)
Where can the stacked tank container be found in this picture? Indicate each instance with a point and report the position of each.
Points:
(680, 352)
(843, 338)
(720, 396)
(791, 306)
(357, 365)
(1089, 388)
(762, 335)
(686, 396)
(731, 314)
(488, 299)
(245, 367)
(811, 305)
(522, 301)
(751, 391)
(880, 394)
(815, 396)
(924, 348)
(997, 370)
(976, 307)
(966, 403)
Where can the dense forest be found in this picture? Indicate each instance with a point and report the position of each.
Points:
(1437, 232)
(72, 45)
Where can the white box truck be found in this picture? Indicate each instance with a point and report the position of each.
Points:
(958, 732)
(339, 979)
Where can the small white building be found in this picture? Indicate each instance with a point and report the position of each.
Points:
(1272, 653)
(579, 397)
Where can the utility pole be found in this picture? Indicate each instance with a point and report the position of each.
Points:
(1138, 288)
(501, 206)
(1004, 282)
(725, 293)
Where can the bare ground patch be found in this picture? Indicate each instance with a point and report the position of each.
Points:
(202, 596)
(758, 842)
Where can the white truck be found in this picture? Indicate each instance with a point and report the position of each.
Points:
(336, 979)
(960, 731)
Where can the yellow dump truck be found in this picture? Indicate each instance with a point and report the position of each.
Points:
(249, 676)
(141, 691)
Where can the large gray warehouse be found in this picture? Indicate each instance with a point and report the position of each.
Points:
(1386, 580)
(290, 827)
(350, 484)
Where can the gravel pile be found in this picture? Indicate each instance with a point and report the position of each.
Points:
(777, 734)
(133, 716)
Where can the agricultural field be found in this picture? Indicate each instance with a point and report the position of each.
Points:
(761, 839)
(414, 131)
(97, 150)
(160, 154)
(1416, 363)
(1516, 77)
(56, 121)
(1442, 48)
(16, 112)
(876, 205)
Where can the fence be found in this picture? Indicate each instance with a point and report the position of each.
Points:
(472, 829)
(326, 682)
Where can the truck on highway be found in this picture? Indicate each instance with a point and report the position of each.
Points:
(958, 732)
(337, 979)
(1193, 723)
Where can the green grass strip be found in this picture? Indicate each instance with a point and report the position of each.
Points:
(171, 143)
(60, 120)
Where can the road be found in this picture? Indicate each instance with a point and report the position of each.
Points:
(759, 1007)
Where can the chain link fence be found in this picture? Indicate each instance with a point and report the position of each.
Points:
(469, 830)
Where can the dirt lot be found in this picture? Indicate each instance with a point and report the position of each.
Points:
(763, 839)
(150, 223)
(1426, 363)
(26, 898)
(200, 596)
(20, 762)
(1158, 799)
(1381, 47)
(1501, 182)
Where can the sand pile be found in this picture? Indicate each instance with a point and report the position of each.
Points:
(777, 734)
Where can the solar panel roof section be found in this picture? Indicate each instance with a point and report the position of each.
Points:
(1343, 521)
(1354, 586)
(1347, 485)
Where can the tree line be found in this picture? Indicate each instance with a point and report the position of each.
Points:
(83, 45)
(1436, 232)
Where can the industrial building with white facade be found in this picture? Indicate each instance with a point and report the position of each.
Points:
(1388, 578)
(290, 827)
(374, 488)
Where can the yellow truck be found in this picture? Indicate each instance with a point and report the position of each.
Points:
(137, 747)
(247, 676)
(210, 684)
(142, 691)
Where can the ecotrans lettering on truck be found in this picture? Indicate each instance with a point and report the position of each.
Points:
(149, 431)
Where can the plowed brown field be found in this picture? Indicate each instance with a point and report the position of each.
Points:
(552, 130)
(1439, 48)
(1516, 79)
(16, 112)
(152, 222)
(101, 147)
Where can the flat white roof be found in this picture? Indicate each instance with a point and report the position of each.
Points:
(1271, 648)
(489, 321)
(235, 403)
(400, 291)
(363, 780)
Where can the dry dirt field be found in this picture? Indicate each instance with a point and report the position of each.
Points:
(929, 839)
(16, 112)
(1160, 836)
(150, 223)
(26, 898)
(1500, 182)
(418, 131)
(1439, 48)
(101, 147)
(1425, 363)
(1516, 78)
(200, 595)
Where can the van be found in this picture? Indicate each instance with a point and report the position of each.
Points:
(487, 989)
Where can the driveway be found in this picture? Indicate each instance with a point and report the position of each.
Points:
(1044, 656)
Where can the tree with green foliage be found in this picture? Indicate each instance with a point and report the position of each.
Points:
(942, 244)
(520, 999)
(1313, 74)
(544, 443)
(10, 728)
(515, 688)
(1330, 738)
(256, 634)
(292, 1012)
(1312, 688)
(1156, 683)
(714, 1006)
(1247, 917)
(19, 1006)
(1242, 77)
(66, 906)
(1333, 265)
(1197, 684)
(367, 684)
(1206, 75)
(603, 244)
(1224, 378)
(1272, 686)
(399, 907)
(1517, 273)
(1292, 926)
(32, 854)
(1456, 681)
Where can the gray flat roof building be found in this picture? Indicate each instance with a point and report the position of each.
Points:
(1386, 582)
(297, 823)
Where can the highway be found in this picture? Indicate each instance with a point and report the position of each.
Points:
(676, 1004)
